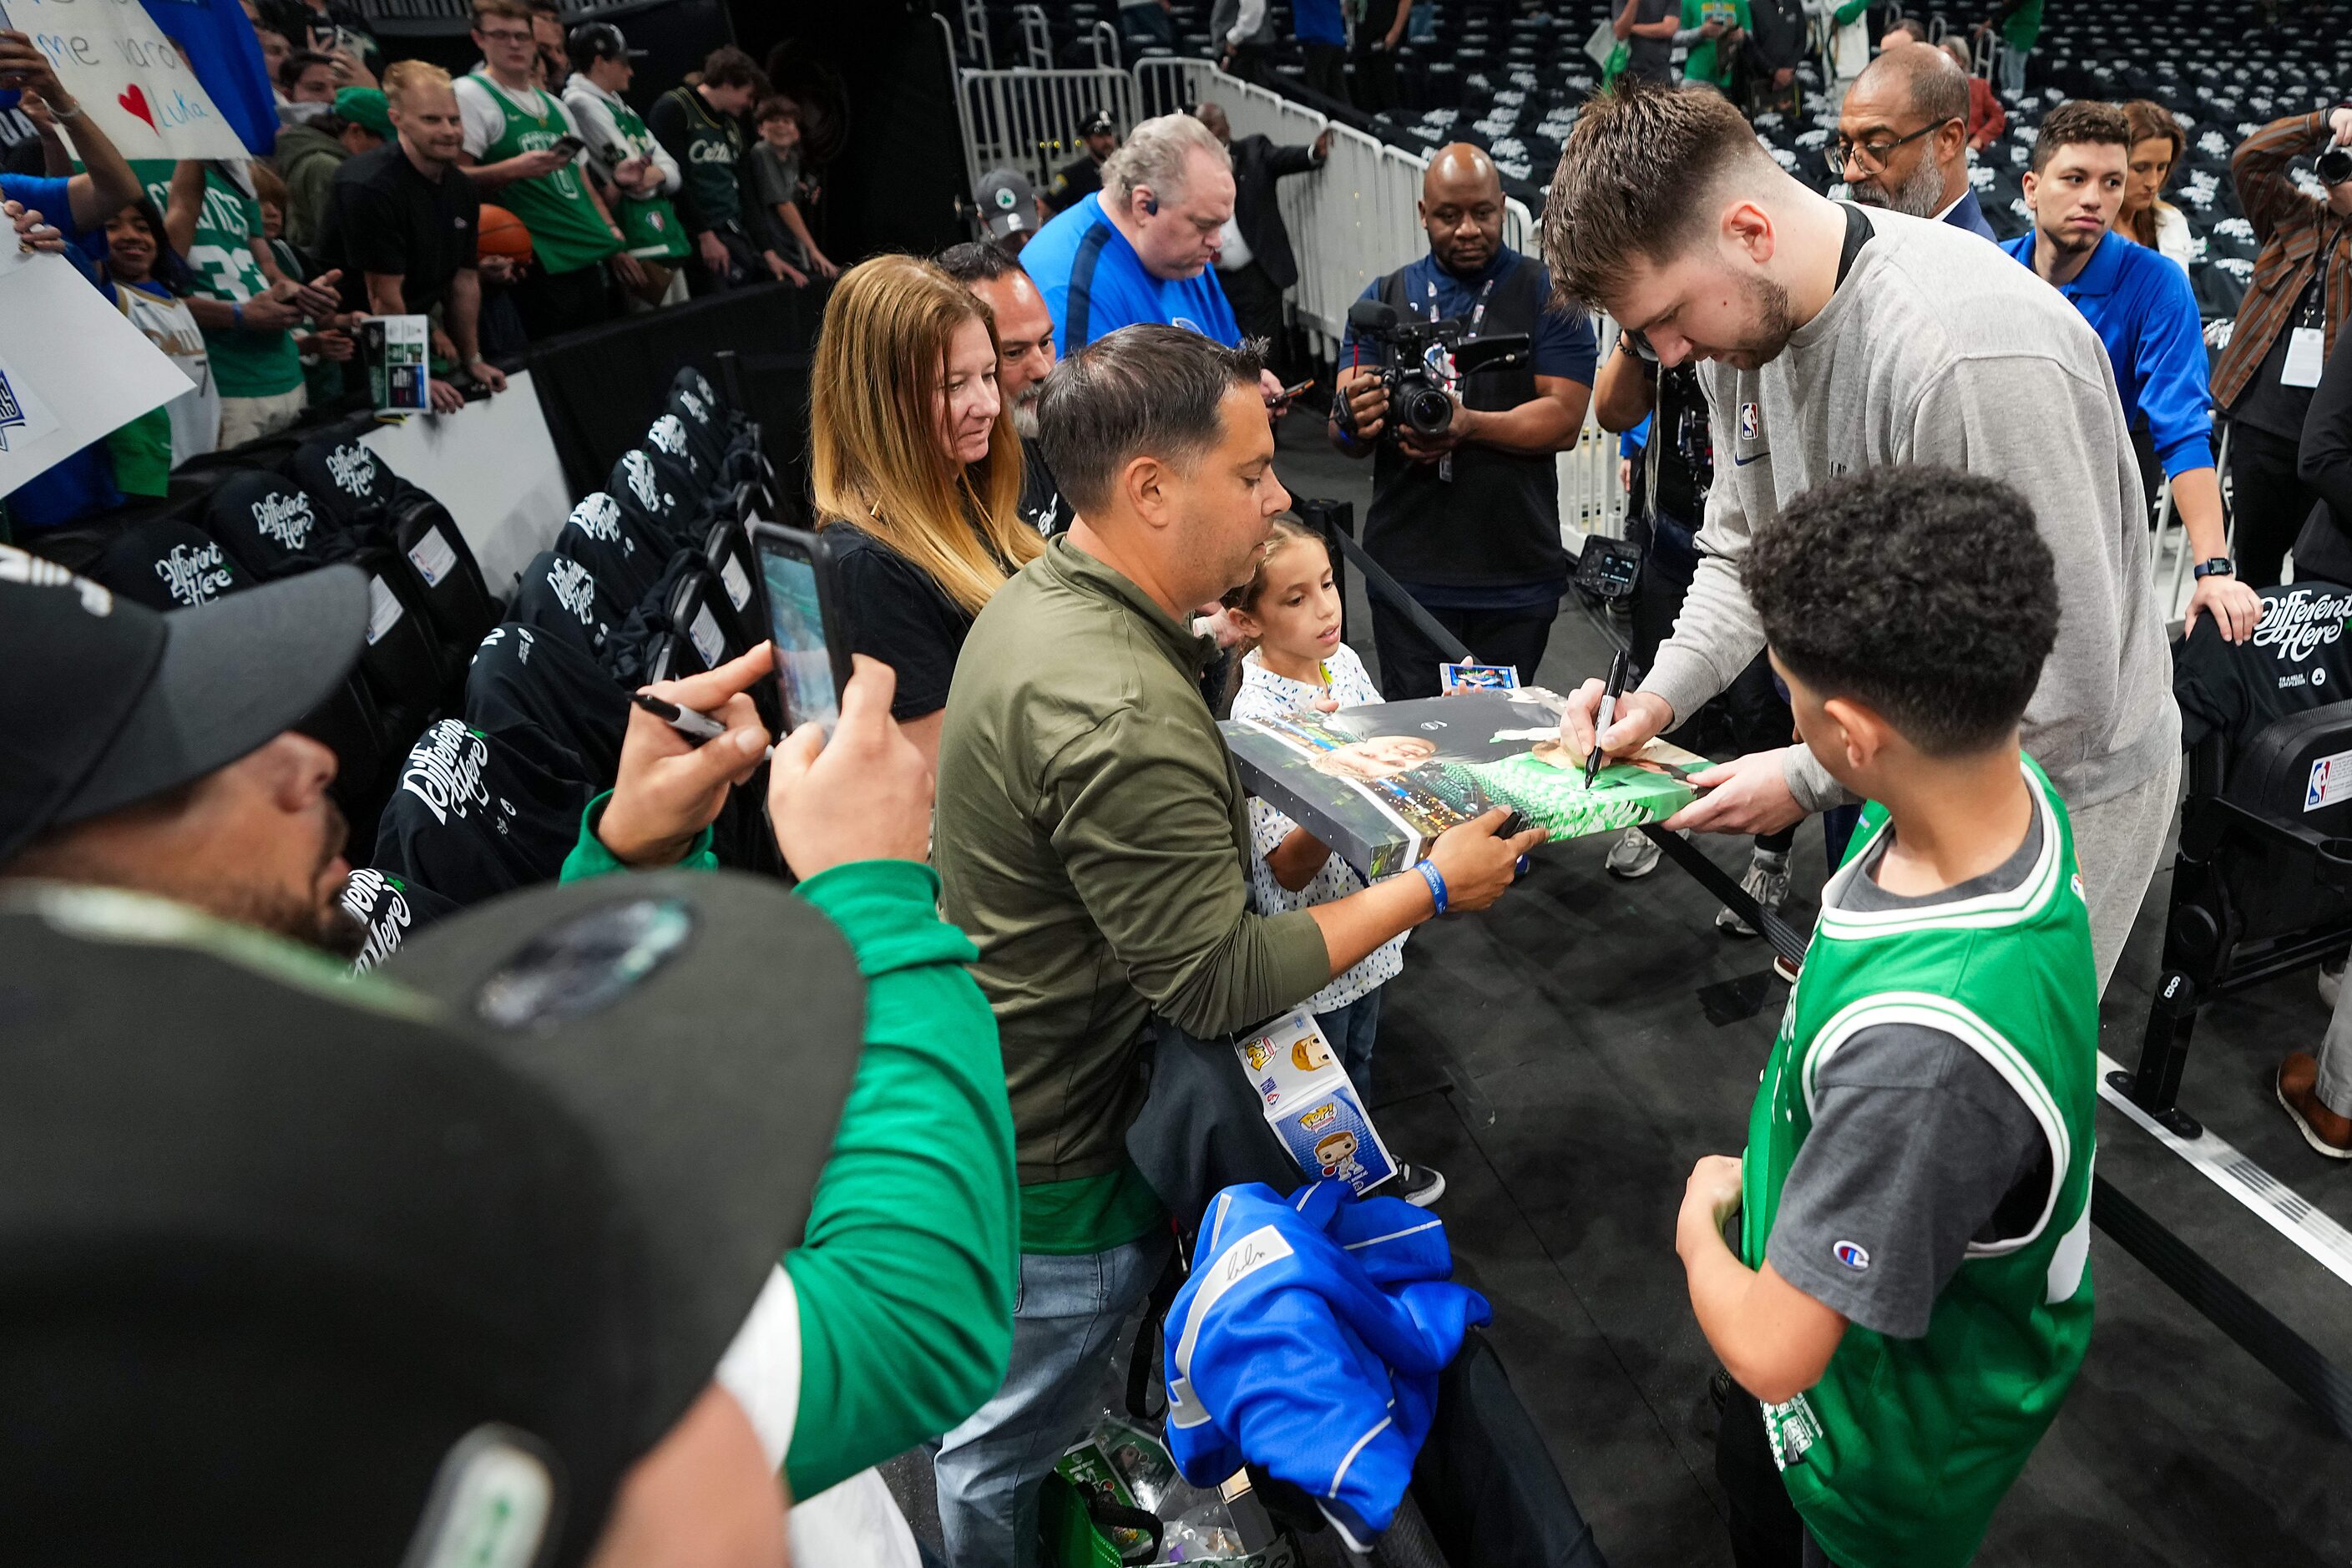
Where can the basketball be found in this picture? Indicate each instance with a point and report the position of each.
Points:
(500, 233)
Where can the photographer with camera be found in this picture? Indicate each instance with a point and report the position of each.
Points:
(1465, 500)
(2286, 324)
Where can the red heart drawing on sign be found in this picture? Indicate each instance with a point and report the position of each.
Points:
(133, 100)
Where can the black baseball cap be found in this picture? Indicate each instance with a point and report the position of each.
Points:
(592, 41)
(403, 1269)
(1099, 123)
(107, 702)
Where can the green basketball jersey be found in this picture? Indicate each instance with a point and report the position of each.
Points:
(221, 265)
(1902, 1449)
(650, 223)
(566, 235)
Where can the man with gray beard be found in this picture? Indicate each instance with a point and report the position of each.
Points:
(1902, 139)
(1024, 357)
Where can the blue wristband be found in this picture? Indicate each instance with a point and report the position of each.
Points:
(236, 316)
(1436, 881)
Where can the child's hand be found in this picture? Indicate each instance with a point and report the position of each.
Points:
(1715, 1183)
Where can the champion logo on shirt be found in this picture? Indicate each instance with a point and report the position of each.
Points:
(1852, 1256)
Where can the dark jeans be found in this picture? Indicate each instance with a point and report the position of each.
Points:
(1376, 79)
(1350, 1030)
(1258, 308)
(2270, 502)
(743, 264)
(1326, 68)
(554, 302)
(1409, 660)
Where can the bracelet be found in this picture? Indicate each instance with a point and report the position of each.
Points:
(66, 116)
(1436, 880)
(237, 315)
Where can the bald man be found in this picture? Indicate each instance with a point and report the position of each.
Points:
(1468, 518)
(1901, 138)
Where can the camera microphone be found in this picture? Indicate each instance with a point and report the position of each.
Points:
(1371, 316)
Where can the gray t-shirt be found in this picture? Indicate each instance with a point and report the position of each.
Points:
(1918, 1147)
(1652, 59)
(1931, 350)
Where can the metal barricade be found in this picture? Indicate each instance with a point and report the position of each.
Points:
(1030, 119)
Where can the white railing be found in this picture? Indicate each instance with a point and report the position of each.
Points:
(1029, 120)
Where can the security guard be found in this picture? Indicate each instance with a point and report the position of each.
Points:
(1079, 178)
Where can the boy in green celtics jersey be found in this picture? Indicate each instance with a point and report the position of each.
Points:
(523, 151)
(1910, 1297)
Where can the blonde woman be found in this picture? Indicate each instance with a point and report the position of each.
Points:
(916, 472)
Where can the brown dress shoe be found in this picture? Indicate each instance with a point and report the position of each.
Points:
(2298, 1093)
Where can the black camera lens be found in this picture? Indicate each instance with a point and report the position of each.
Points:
(2334, 166)
(1427, 411)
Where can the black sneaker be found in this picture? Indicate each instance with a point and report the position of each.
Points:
(1420, 1185)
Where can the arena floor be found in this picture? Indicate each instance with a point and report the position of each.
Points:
(1565, 1058)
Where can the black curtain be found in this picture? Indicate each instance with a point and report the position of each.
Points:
(600, 388)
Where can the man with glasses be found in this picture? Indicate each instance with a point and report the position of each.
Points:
(1902, 139)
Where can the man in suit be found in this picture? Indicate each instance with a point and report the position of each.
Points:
(1901, 138)
(1256, 263)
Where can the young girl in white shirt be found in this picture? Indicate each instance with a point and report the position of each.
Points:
(1290, 610)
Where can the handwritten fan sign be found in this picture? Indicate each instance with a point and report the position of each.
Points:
(127, 75)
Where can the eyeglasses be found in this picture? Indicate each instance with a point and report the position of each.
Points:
(1872, 156)
(506, 36)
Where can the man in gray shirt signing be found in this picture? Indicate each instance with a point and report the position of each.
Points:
(1834, 339)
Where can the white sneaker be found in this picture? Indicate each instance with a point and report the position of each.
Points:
(1634, 854)
(1767, 882)
(2331, 979)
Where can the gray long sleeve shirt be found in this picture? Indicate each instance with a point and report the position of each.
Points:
(1932, 351)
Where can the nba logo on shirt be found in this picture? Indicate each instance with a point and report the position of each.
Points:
(1748, 422)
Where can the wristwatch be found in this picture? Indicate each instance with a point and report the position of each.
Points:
(2218, 567)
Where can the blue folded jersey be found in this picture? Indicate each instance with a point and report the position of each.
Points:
(1309, 1341)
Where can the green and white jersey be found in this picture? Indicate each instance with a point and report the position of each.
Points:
(222, 265)
(616, 133)
(1901, 1452)
(566, 234)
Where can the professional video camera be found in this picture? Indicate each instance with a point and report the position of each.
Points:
(1422, 363)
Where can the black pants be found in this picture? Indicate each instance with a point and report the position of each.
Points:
(1376, 79)
(1327, 69)
(2270, 502)
(743, 264)
(1766, 1531)
(1258, 308)
(1409, 660)
(555, 303)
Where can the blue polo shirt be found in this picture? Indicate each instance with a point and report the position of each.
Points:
(2141, 305)
(1094, 283)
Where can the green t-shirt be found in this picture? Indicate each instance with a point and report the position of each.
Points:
(566, 235)
(2022, 26)
(650, 223)
(1088, 1214)
(221, 265)
(1708, 61)
(141, 451)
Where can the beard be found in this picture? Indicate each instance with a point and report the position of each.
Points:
(315, 918)
(1775, 324)
(1921, 193)
(1024, 412)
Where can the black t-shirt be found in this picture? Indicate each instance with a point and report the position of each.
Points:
(2298, 658)
(383, 216)
(478, 814)
(1042, 506)
(522, 677)
(2268, 404)
(1682, 447)
(898, 614)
